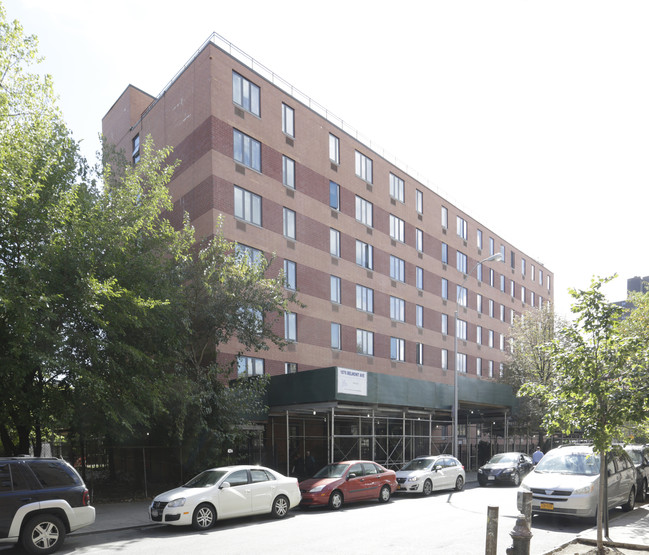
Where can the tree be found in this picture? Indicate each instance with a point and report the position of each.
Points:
(529, 362)
(600, 379)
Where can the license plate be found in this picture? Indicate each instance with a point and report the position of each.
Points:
(491, 477)
(547, 506)
(154, 512)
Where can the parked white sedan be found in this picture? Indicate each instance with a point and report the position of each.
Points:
(428, 474)
(226, 492)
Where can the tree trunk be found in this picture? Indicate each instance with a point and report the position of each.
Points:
(602, 505)
(7, 443)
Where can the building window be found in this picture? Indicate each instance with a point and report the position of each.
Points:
(491, 246)
(364, 211)
(245, 94)
(460, 329)
(363, 167)
(334, 195)
(419, 277)
(541, 277)
(512, 288)
(419, 354)
(502, 342)
(288, 172)
(247, 206)
(419, 240)
(289, 223)
(247, 151)
(502, 252)
(364, 298)
(478, 303)
(533, 272)
(490, 364)
(397, 309)
(491, 277)
(491, 308)
(502, 282)
(397, 349)
(478, 366)
(288, 120)
(461, 262)
(478, 272)
(335, 336)
(334, 149)
(502, 312)
(250, 255)
(501, 370)
(522, 266)
(549, 285)
(290, 275)
(290, 326)
(444, 324)
(479, 238)
(491, 338)
(364, 255)
(250, 366)
(478, 335)
(334, 242)
(444, 288)
(462, 295)
(290, 368)
(136, 149)
(419, 201)
(444, 253)
(460, 363)
(523, 294)
(397, 188)
(397, 268)
(334, 296)
(444, 361)
(364, 342)
(419, 316)
(512, 256)
(397, 228)
(462, 228)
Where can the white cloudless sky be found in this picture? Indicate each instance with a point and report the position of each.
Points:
(531, 116)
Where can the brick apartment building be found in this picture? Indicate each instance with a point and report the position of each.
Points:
(378, 258)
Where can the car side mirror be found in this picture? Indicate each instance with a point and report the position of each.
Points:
(351, 475)
(438, 467)
(224, 485)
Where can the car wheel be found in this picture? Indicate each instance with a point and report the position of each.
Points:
(630, 503)
(280, 507)
(516, 479)
(204, 517)
(459, 483)
(336, 500)
(482, 482)
(384, 495)
(43, 534)
(428, 488)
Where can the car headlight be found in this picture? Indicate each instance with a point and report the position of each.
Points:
(508, 470)
(177, 502)
(525, 487)
(413, 479)
(316, 489)
(585, 489)
(480, 471)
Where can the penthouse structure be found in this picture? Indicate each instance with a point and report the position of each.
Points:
(408, 298)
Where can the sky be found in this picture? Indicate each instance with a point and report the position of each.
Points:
(532, 117)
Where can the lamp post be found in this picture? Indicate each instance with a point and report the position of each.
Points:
(494, 257)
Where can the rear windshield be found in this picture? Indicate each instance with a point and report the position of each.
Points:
(54, 474)
(570, 462)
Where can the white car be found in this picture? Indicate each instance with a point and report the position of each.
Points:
(427, 474)
(566, 482)
(226, 492)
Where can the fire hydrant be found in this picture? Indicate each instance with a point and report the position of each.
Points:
(521, 536)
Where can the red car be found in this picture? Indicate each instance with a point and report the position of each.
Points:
(347, 481)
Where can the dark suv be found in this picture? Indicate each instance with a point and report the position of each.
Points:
(41, 500)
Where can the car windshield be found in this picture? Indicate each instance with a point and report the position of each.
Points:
(571, 462)
(205, 479)
(331, 471)
(636, 455)
(418, 464)
(504, 458)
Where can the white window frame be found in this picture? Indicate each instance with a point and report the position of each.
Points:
(460, 363)
(290, 326)
(419, 354)
(290, 275)
(444, 216)
(288, 218)
(288, 120)
(397, 188)
(460, 328)
(462, 228)
(334, 289)
(397, 228)
(336, 336)
(246, 150)
(288, 172)
(419, 278)
(364, 255)
(364, 211)
(461, 262)
(397, 349)
(478, 335)
(246, 94)
(419, 240)
(250, 366)
(334, 149)
(419, 316)
(334, 195)
(364, 342)
(247, 206)
(334, 242)
(363, 165)
(364, 298)
(444, 253)
(397, 309)
(397, 268)
(444, 359)
(444, 288)
(462, 295)
(419, 201)
(444, 324)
